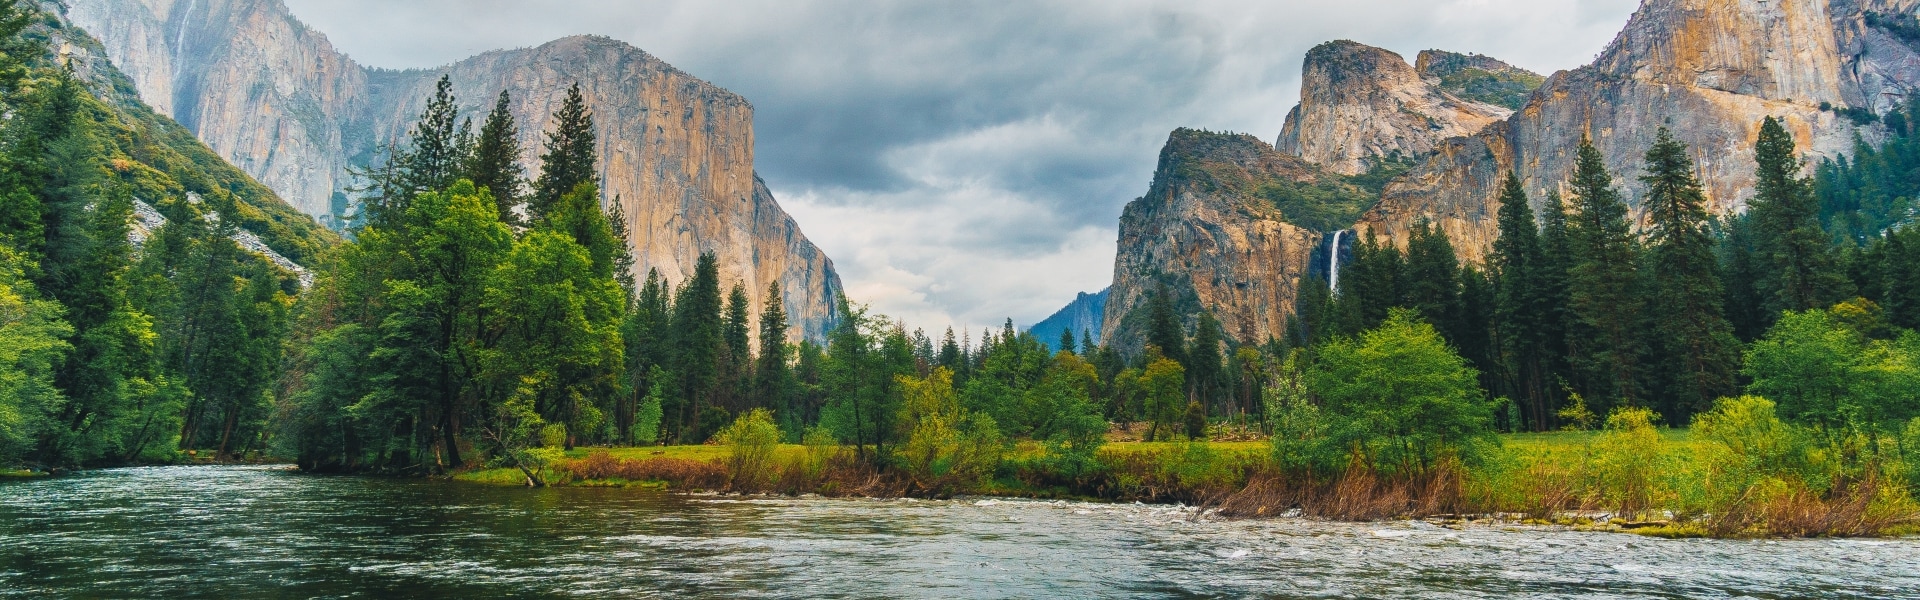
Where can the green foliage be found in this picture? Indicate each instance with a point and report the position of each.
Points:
(495, 161)
(1797, 269)
(1826, 372)
(1872, 190)
(1162, 396)
(1468, 79)
(1326, 203)
(32, 343)
(1400, 397)
(1627, 462)
(947, 449)
(750, 442)
(646, 420)
(569, 157)
(1604, 293)
(1693, 343)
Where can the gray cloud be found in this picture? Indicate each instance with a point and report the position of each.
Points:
(964, 162)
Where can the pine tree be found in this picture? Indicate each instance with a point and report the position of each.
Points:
(570, 154)
(1554, 279)
(1694, 341)
(1740, 271)
(1370, 285)
(950, 355)
(1086, 342)
(697, 342)
(1603, 288)
(1431, 282)
(1066, 340)
(1163, 326)
(1522, 309)
(738, 333)
(773, 377)
(1203, 375)
(494, 164)
(1799, 267)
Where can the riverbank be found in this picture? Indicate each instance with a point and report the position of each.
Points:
(1567, 479)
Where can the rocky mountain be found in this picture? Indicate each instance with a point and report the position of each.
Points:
(1360, 104)
(1210, 233)
(277, 99)
(1478, 78)
(1709, 70)
(161, 161)
(1082, 317)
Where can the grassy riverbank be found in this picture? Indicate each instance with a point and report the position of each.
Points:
(1675, 484)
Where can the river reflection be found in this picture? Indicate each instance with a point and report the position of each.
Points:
(230, 532)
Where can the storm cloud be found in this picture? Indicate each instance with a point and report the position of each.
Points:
(966, 162)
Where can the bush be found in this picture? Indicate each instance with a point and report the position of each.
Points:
(1823, 371)
(948, 449)
(1402, 397)
(750, 441)
(1626, 462)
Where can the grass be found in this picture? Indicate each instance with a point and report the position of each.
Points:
(21, 473)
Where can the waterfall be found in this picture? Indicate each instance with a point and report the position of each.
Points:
(1333, 263)
(180, 38)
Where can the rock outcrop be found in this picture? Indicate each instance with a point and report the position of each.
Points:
(1082, 317)
(1360, 104)
(276, 99)
(1709, 70)
(1205, 235)
(1478, 78)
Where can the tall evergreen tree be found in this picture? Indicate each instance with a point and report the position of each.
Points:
(1207, 368)
(1066, 341)
(697, 343)
(1799, 270)
(570, 155)
(1431, 282)
(1163, 326)
(737, 356)
(430, 161)
(1522, 307)
(1694, 342)
(494, 164)
(1554, 277)
(1371, 284)
(773, 375)
(1603, 290)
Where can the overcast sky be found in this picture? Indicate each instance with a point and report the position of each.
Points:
(966, 162)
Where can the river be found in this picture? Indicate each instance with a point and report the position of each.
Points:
(246, 532)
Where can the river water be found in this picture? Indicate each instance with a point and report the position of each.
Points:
(246, 532)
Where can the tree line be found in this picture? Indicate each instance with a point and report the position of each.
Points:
(121, 345)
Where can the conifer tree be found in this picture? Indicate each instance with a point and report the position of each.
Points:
(1203, 376)
(1431, 283)
(1370, 285)
(494, 164)
(1799, 270)
(697, 343)
(569, 156)
(1556, 316)
(738, 333)
(950, 355)
(1693, 340)
(1522, 308)
(1163, 326)
(1603, 288)
(773, 377)
(1066, 341)
(1086, 342)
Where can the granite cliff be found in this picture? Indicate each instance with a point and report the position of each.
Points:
(1209, 233)
(1360, 104)
(1709, 70)
(275, 98)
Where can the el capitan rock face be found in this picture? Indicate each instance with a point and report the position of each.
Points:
(277, 100)
(1360, 104)
(1204, 232)
(1709, 70)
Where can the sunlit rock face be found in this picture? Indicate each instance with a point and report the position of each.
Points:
(1360, 104)
(1709, 70)
(276, 99)
(1205, 233)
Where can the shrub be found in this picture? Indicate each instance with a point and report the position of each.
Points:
(1823, 371)
(948, 449)
(750, 441)
(1626, 462)
(1401, 396)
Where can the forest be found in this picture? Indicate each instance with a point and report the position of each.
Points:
(483, 319)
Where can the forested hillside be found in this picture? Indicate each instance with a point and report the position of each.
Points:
(124, 344)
